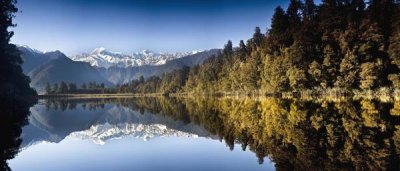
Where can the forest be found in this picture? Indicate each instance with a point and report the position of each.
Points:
(341, 46)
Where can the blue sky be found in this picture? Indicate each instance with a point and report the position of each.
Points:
(75, 26)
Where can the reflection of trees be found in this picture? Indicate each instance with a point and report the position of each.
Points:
(13, 116)
(299, 135)
(296, 135)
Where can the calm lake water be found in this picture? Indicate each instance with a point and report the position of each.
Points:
(207, 134)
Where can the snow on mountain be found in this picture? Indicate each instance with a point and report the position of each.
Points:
(100, 57)
(99, 134)
(29, 49)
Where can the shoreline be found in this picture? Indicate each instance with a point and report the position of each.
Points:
(306, 95)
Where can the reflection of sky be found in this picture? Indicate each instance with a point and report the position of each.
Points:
(134, 154)
(73, 133)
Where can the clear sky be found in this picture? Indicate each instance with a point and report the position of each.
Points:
(75, 26)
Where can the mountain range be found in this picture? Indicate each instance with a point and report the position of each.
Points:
(101, 57)
(103, 66)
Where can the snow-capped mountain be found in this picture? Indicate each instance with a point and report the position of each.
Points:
(99, 134)
(100, 57)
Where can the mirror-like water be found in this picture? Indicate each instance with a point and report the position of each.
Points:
(209, 134)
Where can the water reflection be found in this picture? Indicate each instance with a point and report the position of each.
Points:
(294, 134)
(103, 119)
(13, 116)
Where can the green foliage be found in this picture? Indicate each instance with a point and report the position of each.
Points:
(337, 44)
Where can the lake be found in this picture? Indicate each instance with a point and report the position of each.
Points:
(159, 133)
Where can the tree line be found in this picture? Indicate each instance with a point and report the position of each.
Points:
(72, 88)
(339, 44)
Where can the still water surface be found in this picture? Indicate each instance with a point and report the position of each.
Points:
(209, 134)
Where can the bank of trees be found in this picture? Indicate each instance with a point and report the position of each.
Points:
(73, 88)
(338, 44)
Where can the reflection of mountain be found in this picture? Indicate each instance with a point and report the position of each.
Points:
(101, 133)
(102, 124)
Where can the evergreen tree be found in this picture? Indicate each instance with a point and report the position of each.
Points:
(381, 12)
(141, 79)
(339, 43)
(13, 83)
(278, 34)
(84, 86)
(369, 75)
(316, 73)
(293, 13)
(55, 88)
(242, 51)
(48, 88)
(257, 37)
(63, 87)
(394, 47)
(309, 10)
(297, 78)
(72, 87)
(330, 66)
(349, 68)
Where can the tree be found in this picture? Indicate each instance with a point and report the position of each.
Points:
(55, 88)
(250, 72)
(242, 51)
(273, 75)
(293, 13)
(278, 34)
(141, 79)
(297, 78)
(309, 10)
(63, 87)
(13, 83)
(349, 68)
(381, 12)
(228, 49)
(394, 47)
(369, 75)
(330, 65)
(48, 88)
(84, 86)
(72, 87)
(395, 79)
(257, 37)
(316, 73)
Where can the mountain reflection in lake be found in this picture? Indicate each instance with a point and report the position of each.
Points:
(125, 134)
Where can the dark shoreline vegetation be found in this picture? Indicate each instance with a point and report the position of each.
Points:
(16, 96)
(345, 48)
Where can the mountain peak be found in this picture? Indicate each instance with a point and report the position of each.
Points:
(27, 48)
(100, 57)
(98, 50)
